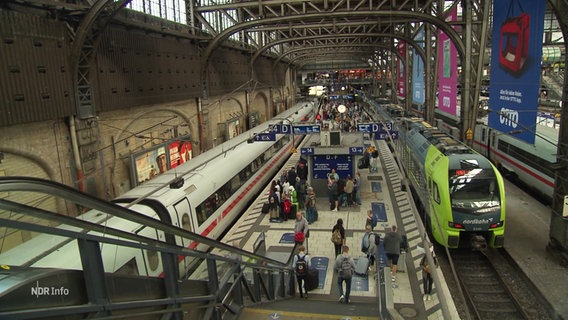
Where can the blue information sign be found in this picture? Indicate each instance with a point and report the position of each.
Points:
(306, 129)
(374, 127)
(270, 136)
(355, 150)
(322, 165)
(282, 128)
(307, 150)
(384, 135)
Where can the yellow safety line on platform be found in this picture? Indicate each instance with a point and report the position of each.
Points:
(304, 315)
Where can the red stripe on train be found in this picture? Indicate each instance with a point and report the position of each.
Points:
(230, 207)
(517, 164)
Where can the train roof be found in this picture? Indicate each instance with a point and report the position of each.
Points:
(445, 143)
(213, 168)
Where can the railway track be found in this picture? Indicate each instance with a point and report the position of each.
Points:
(494, 288)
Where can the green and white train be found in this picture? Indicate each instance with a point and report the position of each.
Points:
(461, 193)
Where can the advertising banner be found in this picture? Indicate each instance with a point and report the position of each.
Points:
(154, 161)
(418, 86)
(401, 70)
(447, 70)
(150, 163)
(180, 152)
(516, 57)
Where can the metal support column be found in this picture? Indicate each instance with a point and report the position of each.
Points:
(468, 115)
(559, 218)
(94, 274)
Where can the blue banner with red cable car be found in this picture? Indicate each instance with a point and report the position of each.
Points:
(516, 55)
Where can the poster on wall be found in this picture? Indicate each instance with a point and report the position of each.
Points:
(180, 152)
(418, 86)
(447, 70)
(149, 163)
(518, 27)
(402, 71)
(233, 128)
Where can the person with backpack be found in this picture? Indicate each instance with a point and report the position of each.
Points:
(301, 266)
(301, 229)
(345, 266)
(286, 208)
(370, 243)
(310, 204)
(273, 210)
(338, 236)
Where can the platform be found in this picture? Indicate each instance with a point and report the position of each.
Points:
(527, 236)
(404, 297)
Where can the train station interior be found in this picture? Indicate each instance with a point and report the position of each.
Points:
(171, 159)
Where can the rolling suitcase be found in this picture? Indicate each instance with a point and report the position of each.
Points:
(312, 279)
(362, 266)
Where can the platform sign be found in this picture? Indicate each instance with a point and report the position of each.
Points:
(374, 127)
(281, 128)
(271, 136)
(322, 165)
(306, 129)
(307, 150)
(385, 136)
(356, 150)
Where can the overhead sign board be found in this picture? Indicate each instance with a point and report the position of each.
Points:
(374, 127)
(270, 136)
(384, 135)
(308, 150)
(356, 150)
(306, 129)
(281, 128)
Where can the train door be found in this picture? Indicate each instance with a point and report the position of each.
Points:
(183, 220)
(491, 138)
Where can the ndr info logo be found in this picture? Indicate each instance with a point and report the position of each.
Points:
(48, 291)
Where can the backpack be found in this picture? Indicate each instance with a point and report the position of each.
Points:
(287, 206)
(404, 243)
(365, 243)
(336, 237)
(377, 239)
(301, 266)
(346, 271)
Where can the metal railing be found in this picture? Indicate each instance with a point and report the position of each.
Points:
(74, 268)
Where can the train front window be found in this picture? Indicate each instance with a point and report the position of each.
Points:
(475, 188)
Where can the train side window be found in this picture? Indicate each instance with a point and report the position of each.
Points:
(435, 192)
(185, 222)
(153, 259)
(129, 268)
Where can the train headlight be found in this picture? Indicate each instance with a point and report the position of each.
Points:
(496, 225)
(455, 225)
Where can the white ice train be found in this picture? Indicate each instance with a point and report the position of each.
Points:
(531, 164)
(217, 187)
